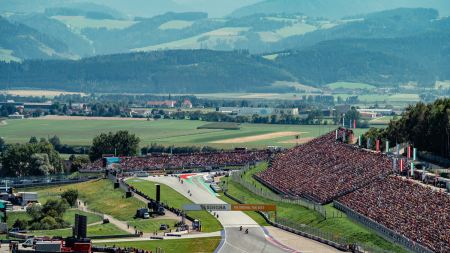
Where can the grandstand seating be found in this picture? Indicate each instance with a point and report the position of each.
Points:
(416, 211)
(324, 169)
(195, 160)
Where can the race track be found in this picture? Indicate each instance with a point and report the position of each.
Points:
(234, 240)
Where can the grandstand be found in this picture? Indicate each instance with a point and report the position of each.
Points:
(417, 212)
(325, 169)
(185, 161)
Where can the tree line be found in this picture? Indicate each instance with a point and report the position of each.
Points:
(424, 126)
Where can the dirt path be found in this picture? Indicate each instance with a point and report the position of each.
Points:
(258, 137)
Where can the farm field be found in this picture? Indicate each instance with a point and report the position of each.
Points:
(205, 245)
(39, 93)
(173, 198)
(348, 85)
(341, 226)
(164, 132)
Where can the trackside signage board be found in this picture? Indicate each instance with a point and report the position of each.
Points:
(228, 207)
(253, 207)
(210, 207)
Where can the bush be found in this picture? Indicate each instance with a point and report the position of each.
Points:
(70, 196)
(20, 224)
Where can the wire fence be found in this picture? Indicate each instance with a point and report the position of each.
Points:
(267, 194)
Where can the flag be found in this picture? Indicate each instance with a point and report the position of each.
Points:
(387, 146)
(412, 169)
(414, 154)
(378, 145)
(409, 152)
(354, 123)
(401, 165)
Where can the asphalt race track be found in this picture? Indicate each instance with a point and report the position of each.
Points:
(233, 240)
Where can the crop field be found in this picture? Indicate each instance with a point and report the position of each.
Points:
(164, 132)
(39, 93)
(347, 85)
(221, 125)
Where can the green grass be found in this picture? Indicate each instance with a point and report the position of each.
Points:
(99, 195)
(221, 125)
(95, 230)
(164, 132)
(69, 216)
(175, 199)
(203, 245)
(349, 85)
(340, 227)
(150, 226)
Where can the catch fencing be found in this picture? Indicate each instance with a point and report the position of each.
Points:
(237, 177)
(382, 230)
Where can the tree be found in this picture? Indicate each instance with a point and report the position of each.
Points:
(70, 196)
(20, 224)
(33, 139)
(55, 141)
(2, 144)
(30, 159)
(121, 143)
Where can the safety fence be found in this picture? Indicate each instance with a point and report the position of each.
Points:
(301, 229)
(382, 230)
(237, 177)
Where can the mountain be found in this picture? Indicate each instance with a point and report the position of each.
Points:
(181, 71)
(337, 8)
(23, 42)
(388, 62)
(77, 44)
(400, 22)
(383, 61)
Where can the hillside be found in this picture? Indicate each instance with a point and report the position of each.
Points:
(77, 45)
(336, 9)
(166, 71)
(22, 42)
(91, 33)
(395, 23)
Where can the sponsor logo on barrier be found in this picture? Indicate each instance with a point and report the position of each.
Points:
(253, 207)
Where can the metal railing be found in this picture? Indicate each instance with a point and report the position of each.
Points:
(237, 177)
(382, 230)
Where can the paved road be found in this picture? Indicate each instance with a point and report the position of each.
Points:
(234, 240)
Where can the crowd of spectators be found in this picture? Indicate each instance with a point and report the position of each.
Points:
(415, 211)
(180, 161)
(325, 168)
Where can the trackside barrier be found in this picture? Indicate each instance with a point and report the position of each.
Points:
(237, 177)
(298, 230)
(382, 230)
